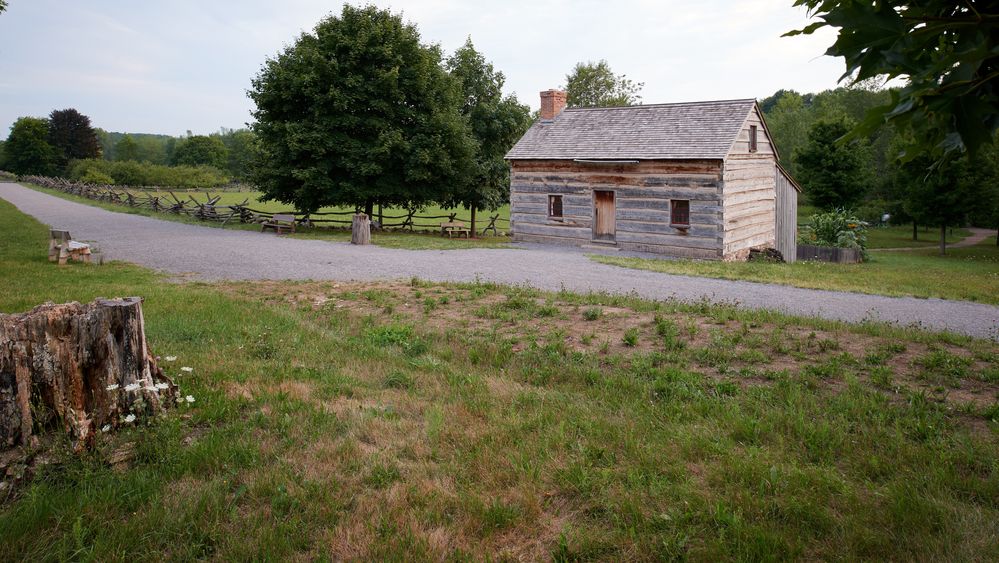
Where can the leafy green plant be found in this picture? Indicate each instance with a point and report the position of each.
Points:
(839, 228)
(592, 313)
(630, 337)
(390, 334)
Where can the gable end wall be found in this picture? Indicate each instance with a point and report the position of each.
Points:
(750, 195)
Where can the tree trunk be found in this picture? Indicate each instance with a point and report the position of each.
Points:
(915, 231)
(79, 367)
(360, 232)
(381, 217)
(369, 208)
(943, 240)
(473, 221)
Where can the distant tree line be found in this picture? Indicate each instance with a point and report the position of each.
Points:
(938, 130)
(229, 150)
(66, 144)
(870, 173)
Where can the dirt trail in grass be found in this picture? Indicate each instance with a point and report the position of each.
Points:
(208, 253)
(977, 236)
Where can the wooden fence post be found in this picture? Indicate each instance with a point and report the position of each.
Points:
(360, 232)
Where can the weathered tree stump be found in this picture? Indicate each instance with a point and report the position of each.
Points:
(79, 367)
(360, 232)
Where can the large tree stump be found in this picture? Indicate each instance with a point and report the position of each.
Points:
(79, 367)
(360, 232)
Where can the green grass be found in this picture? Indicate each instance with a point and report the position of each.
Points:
(901, 237)
(969, 274)
(412, 241)
(336, 421)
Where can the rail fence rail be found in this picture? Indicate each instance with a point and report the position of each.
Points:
(211, 210)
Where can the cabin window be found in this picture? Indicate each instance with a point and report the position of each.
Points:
(752, 138)
(555, 207)
(679, 213)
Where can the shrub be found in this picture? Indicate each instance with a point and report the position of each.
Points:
(838, 228)
(131, 173)
(94, 176)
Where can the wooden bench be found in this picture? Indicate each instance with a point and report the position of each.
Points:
(449, 228)
(62, 247)
(279, 222)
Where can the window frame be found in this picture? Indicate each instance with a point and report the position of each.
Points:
(754, 138)
(552, 198)
(673, 214)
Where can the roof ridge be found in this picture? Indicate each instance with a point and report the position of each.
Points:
(665, 104)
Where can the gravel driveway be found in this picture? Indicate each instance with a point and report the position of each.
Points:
(215, 254)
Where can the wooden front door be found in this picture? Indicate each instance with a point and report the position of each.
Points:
(603, 215)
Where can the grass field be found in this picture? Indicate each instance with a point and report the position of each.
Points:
(235, 198)
(409, 421)
(970, 273)
(413, 241)
(901, 237)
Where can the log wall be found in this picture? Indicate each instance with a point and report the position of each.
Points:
(787, 217)
(749, 205)
(642, 194)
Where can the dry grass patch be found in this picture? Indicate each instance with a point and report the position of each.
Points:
(744, 353)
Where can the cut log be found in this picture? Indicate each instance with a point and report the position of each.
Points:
(78, 367)
(360, 229)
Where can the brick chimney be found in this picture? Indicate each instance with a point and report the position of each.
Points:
(552, 104)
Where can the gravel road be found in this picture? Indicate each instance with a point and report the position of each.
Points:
(220, 254)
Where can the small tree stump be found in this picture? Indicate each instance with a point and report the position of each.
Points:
(360, 232)
(79, 367)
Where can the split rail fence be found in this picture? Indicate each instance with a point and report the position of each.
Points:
(210, 210)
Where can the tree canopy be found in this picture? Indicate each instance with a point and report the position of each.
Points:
(359, 112)
(241, 145)
(833, 174)
(942, 197)
(200, 150)
(27, 150)
(72, 137)
(126, 149)
(496, 123)
(947, 51)
(593, 84)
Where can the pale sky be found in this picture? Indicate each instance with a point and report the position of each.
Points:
(177, 65)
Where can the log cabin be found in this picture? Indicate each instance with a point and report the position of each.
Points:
(691, 180)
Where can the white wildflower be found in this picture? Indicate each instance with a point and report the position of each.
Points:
(171, 358)
(132, 387)
(130, 418)
(189, 399)
(186, 369)
(150, 388)
(112, 387)
(106, 428)
(162, 386)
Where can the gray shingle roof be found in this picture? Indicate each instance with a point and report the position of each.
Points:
(661, 131)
